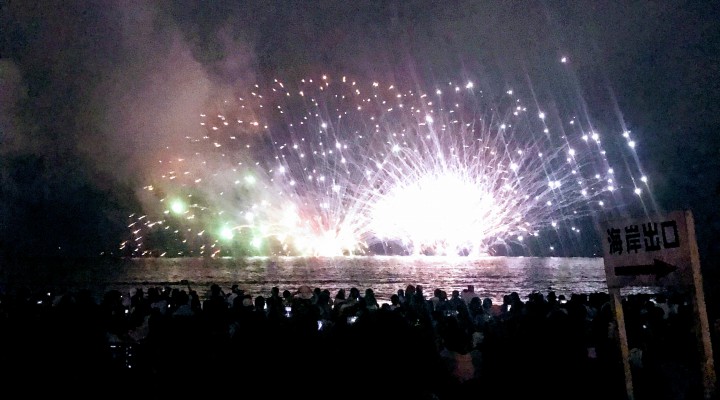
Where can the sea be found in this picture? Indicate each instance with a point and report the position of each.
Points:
(491, 277)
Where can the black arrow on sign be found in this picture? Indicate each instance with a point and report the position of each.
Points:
(658, 268)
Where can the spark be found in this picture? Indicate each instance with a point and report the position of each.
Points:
(344, 167)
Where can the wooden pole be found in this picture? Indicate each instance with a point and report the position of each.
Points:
(622, 338)
(702, 325)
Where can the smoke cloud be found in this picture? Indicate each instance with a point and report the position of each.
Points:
(90, 94)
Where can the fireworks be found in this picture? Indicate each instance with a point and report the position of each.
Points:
(336, 166)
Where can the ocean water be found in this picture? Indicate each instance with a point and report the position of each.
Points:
(492, 277)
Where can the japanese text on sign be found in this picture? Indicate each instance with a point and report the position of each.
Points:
(649, 237)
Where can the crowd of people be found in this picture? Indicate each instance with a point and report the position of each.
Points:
(418, 344)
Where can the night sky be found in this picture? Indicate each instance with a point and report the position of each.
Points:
(90, 89)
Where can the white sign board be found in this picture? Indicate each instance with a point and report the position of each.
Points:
(650, 251)
(657, 251)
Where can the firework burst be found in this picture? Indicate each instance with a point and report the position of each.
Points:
(334, 166)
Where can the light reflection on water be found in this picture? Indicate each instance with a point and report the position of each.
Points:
(491, 276)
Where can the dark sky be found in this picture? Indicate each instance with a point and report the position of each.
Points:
(87, 88)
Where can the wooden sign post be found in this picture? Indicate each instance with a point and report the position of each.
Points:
(658, 251)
